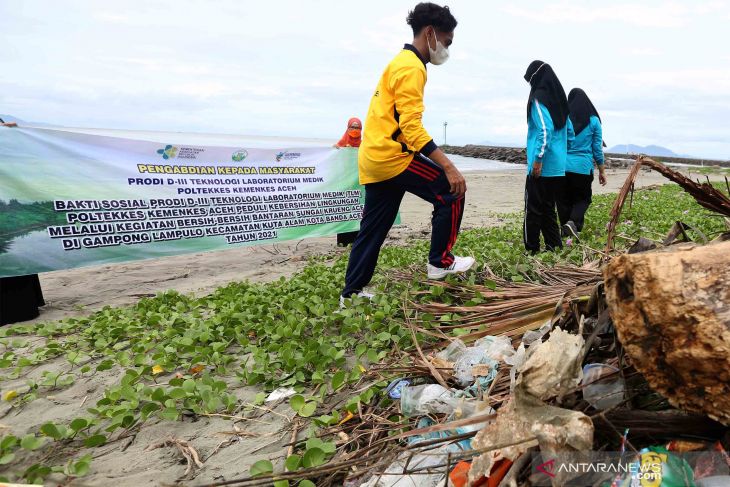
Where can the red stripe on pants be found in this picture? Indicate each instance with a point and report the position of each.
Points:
(425, 176)
(433, 172)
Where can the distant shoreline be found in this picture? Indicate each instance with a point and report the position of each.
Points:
(516, 155)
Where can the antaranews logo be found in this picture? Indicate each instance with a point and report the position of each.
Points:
(547, 468)
(169, 152)
(239, 155)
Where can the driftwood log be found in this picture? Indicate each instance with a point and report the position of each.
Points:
(671, 309)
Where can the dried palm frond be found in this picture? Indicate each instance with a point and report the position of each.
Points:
(705, 194)
(505, 308)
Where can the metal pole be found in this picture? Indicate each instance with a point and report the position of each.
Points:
(445, 123)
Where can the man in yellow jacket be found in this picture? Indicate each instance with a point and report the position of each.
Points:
(397, 155)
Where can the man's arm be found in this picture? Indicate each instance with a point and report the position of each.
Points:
(457, 182)
(408, 85)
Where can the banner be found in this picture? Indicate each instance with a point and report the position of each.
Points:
(70, 199)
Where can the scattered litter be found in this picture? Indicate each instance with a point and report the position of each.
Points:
(281, 393)
(521, 352)
(525, 421)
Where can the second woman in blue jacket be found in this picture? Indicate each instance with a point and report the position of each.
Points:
(547, 146)
(585, 147)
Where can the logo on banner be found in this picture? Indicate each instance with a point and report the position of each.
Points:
(287, 156)
(239, 155)
(169, 152)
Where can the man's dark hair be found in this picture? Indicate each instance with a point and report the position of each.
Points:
(427, 13)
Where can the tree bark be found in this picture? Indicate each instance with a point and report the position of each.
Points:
(671, 309)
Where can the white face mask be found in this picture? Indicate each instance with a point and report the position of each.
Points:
(439, 55)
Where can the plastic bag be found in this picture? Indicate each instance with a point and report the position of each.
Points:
(603, 387)
(496, 347)
(426, 399)
(453, 351)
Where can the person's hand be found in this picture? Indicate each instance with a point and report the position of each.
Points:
(602, 177)
(9, 124)
(457, 183)
(536, 169)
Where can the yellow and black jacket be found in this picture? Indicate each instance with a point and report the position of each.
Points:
(393, 127)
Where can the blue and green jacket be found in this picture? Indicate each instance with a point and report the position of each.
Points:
(544, 143)
(585, 148)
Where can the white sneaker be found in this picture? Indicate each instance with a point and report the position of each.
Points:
(461, 264)
(361, 294)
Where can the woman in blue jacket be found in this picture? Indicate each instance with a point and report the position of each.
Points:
(585, 147)
(547, 146)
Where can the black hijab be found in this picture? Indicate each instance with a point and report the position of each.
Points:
(545, 87)
(581, 109)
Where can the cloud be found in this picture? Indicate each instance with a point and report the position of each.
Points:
(643, 51)
(113, 18)
(680, 81)
(655, 70)
(664, 15)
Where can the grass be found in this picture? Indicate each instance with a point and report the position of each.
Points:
(708, 170)
(284, 333)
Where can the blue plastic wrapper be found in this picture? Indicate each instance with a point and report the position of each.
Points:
(395, 387)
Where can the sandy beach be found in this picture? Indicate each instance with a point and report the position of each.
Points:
(80, 291)
(139, 131)
(129, 461)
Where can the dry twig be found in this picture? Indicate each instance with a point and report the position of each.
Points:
(188, 452)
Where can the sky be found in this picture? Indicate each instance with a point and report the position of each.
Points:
(658, 72)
